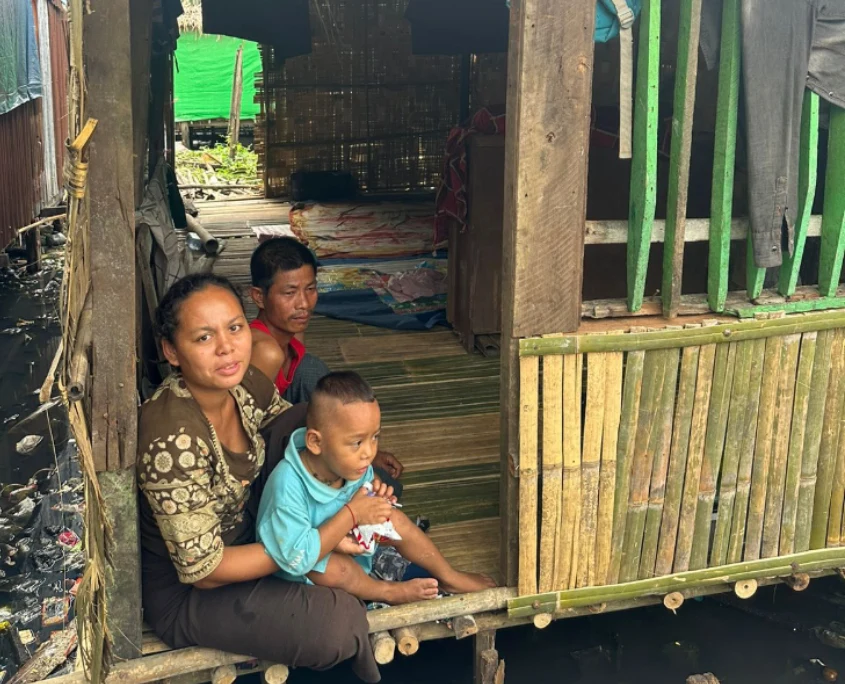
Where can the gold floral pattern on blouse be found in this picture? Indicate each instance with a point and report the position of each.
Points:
(185, 473)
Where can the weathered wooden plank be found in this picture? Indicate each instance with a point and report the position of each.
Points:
(591, 466)
(746, 455)
(800, 306)
(812, 439)
(807, 171)
(686, 75)
(755, 277)
(692, 479)
(829, 446)
(677, 461)
(731, 360)
(607, 478)
(571, 501)
(833, 216)
(631, 394)
(660, 468)
(552, 465)
(546, 156)
(763, 448)
(643, 459)
(803, 389)
(644, 165)
(107, 50)
(528, 414)
(615, 232)
(780, 446)
(724, 156)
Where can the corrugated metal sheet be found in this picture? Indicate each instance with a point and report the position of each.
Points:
(21, 164)
(32, 146)
(60, 64)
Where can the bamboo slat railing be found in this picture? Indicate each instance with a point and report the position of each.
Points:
(717, 446)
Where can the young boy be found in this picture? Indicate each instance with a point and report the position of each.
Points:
(316, 496)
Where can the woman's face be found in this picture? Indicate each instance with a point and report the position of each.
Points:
(212, 344)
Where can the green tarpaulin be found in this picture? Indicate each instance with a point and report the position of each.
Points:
(203, 81)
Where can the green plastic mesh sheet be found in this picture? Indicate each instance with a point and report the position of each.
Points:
(202, 86)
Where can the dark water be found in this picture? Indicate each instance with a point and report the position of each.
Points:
(774, 643)
(40, 489)
(648, 646)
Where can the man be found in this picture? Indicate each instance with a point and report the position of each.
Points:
(284, 288)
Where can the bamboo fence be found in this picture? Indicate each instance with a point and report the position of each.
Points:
(663, 453)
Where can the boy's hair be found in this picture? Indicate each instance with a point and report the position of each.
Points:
(278, 254)
(347, 387)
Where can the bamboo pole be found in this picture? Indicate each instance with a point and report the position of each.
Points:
(828, 448)
(746, 452)
(632, 391)
(571, 472)
(677, 461)
(762, 569)
(789, 517)
(763, 448)
(528, 399)
(736, 425)
(837, 498)
(590, 467)
(780, 446)
(665, 339)
(714, 445)
(692, 479)
(576, 543)
(384, 647)
(607, 478)
(657, 493)
(552, 465)
(235, 107)
(812, 439)
(654, 369)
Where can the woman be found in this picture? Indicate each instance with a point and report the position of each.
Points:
(201, 468)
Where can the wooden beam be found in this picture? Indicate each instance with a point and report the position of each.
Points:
(141, 24)
(111, 187)
(547, 143)
(697, 230)
(724, 156)
(644, 165)
(807, 171)
(833, 220)
(679, 160)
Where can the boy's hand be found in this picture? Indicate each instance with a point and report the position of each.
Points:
(388, 463)
(370, 510)
(349, 546)
(383, 490)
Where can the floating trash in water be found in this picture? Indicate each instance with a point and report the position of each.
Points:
(54, 610)
(14, 416)
(22, 513)
(27, 444)
(69, 539)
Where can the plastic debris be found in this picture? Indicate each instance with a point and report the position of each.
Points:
(69, 539)
(54, 610)
(27, 444)
(389, 565)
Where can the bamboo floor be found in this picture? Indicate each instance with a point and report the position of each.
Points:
(440, 407)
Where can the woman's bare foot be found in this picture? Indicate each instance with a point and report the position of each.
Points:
(466, 583)
(410, 591)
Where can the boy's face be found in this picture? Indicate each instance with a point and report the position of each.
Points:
(290, 301)
(346, 439)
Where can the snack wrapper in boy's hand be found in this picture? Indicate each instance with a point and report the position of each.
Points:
(370, 535)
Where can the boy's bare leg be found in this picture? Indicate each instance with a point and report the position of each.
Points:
(418, 548)
(342, 572)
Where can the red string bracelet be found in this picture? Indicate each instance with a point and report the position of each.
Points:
(352, 513)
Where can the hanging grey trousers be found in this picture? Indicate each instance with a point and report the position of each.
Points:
(787, 45)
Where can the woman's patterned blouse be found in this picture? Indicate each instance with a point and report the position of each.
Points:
(196, 488)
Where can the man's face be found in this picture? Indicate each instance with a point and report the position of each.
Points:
(290, 301)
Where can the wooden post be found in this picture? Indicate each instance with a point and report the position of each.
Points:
(32, 240)
(550, 64)
(108, 62)
(235, 107)
(487, 668)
